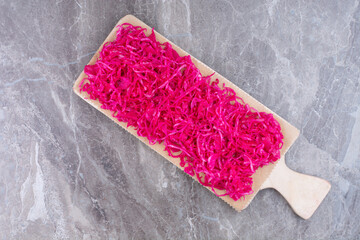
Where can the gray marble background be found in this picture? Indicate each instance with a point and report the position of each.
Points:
(68, 172)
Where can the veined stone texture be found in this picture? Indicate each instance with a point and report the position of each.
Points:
(68, 172)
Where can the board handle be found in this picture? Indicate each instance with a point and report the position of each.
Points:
(304, 193)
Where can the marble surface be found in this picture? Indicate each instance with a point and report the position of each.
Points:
(68, 172)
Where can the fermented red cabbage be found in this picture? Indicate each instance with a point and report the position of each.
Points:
(215, 134)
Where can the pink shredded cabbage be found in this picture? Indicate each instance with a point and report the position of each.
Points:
(216, 136)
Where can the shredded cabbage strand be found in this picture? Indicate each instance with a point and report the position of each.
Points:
(216, 136)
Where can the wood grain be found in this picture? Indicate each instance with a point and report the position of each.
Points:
(304, 193)
(290, 132)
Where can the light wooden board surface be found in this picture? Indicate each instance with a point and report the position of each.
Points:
(304, 193)
(290, 132)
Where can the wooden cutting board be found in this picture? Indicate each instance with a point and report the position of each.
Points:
(304, 193)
